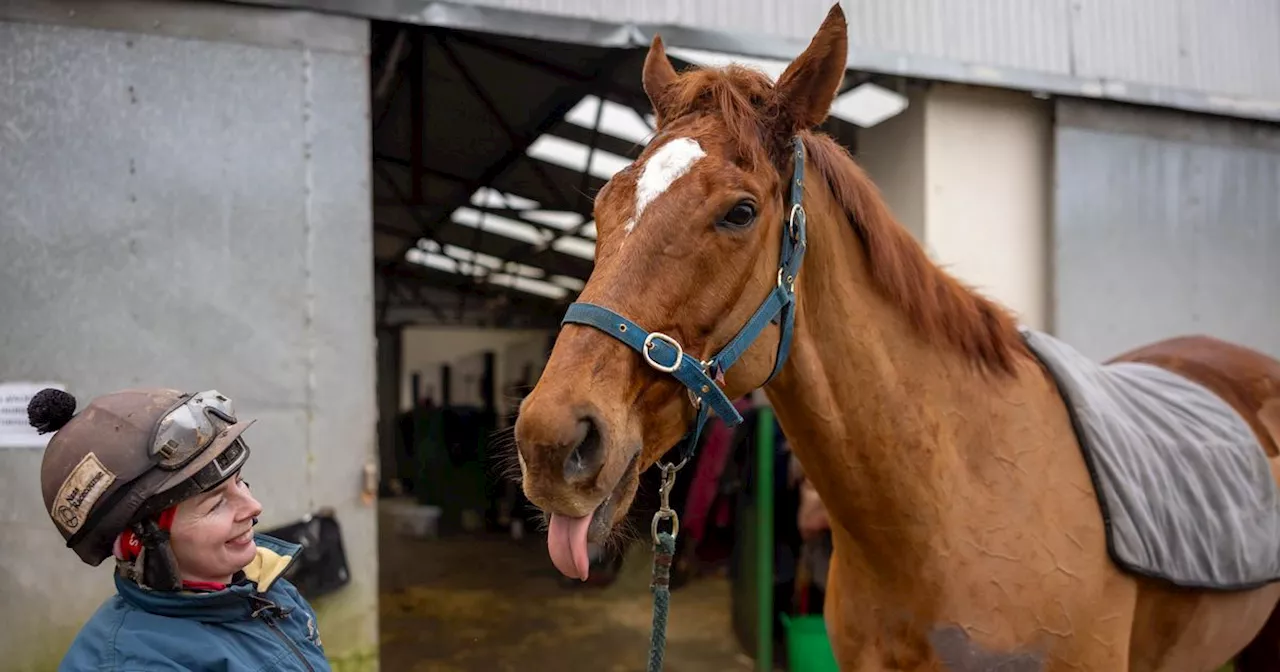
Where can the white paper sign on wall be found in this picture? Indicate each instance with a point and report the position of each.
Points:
(15, 429)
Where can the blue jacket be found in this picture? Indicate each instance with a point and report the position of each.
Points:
(260, 625)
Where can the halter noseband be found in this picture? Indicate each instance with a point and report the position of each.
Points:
(665, 354)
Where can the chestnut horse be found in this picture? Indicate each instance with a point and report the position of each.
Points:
(966, 528)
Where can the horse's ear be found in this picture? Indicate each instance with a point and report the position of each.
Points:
(806, 89)
(659, 75)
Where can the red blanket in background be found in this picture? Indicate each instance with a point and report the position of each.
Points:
(702, 491)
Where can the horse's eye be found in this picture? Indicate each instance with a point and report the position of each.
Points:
(741, 215)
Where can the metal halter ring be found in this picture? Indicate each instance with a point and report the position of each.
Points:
(694, 399)
(791, 281)
(796, 209)
(675, 523)
(648, 345)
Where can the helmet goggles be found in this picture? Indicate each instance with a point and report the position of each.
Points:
(186, 432)
(189, 428)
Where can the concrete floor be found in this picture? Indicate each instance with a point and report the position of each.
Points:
(487, 603)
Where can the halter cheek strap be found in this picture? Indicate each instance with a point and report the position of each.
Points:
(665, 354)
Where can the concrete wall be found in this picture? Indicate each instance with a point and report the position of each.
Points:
(1166, 224)
(184, 201)
(893, 153)
(989, 157)
(968, 171)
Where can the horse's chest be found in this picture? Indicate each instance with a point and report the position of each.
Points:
(876, 632)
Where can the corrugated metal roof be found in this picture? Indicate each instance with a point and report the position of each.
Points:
(1216, 56)
(1215, 46)
(1020, 34)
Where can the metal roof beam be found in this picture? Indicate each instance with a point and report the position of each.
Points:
(593, 141)
(390, 288)
(426, 286)
(511, 185)
(390, 76)
(518, 184)
(393, 218)
(478, 90)
(611, 90)
(417, 113)
(428, 170)
(522, 179)
(605, 142)
(426, 210)
(523, 57)
(553, 111)
(494, 316)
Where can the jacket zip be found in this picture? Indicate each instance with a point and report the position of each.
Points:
(264, 612)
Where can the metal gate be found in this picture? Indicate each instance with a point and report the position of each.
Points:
(1165, 223)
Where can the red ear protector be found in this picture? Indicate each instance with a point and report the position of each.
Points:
(128, 545)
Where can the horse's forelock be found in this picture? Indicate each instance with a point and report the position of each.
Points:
(738, 98)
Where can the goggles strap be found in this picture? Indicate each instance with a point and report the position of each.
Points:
(159, 566)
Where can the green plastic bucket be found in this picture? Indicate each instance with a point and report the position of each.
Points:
(808, 649)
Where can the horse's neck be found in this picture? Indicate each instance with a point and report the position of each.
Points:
(858, 411)
(886, 425)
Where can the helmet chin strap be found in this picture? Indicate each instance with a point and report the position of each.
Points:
(155, 567)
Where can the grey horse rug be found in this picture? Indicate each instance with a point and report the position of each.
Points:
(1185, 489)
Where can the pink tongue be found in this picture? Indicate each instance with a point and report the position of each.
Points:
(567, 544)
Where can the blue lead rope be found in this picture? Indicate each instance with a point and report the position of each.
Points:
(664, 553)
(664, 353)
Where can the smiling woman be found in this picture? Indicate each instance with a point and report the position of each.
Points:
(152, 478)
(212, 534)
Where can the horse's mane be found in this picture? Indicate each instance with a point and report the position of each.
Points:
(940, 308)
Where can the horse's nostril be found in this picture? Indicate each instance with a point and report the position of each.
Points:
(586, 459)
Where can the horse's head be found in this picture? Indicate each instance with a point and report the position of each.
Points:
(691, 239)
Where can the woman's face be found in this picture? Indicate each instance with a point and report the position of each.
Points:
(212, 533)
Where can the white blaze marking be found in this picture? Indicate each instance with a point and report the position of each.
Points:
(665, 166)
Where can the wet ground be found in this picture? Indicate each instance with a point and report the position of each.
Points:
(488, 603)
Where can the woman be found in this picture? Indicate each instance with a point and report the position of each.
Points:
(152, 479)
(815, 549)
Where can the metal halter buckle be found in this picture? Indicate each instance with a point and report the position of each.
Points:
(648, 357)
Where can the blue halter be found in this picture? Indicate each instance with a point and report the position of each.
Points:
(665, 354)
